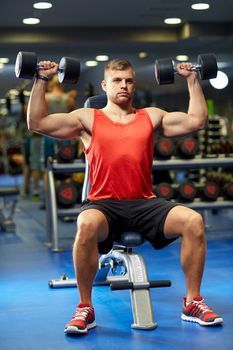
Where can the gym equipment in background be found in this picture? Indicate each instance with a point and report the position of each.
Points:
(8, 200)
(164, 148)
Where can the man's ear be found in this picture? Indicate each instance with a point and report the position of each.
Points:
(103, 85)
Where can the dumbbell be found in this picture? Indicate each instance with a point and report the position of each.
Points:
(187, 191)
(228, 191)
(164, 148)
(187, 147)
(66, 194)
(210, 191)
(26, 67)
(206, 67)
(66, 154)
(164, 190)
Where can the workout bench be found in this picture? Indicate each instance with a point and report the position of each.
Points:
(121, 268)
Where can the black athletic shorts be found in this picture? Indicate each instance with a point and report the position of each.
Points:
(146, 216)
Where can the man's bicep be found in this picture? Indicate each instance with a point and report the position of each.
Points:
(61, 125)
(177, 124)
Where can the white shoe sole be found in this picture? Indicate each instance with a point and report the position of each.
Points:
(217, 321)
(72, 329)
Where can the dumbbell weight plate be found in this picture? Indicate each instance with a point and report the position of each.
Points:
(187, 147)
(25, 65)
(66, 154)
(228, 191)
(164, 71)
(164, 190)
(67, 194)
(210, 191)
(208, 64)
(69, 70)
(164, 148)
(187, 191)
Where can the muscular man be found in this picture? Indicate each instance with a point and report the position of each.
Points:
(118, 142)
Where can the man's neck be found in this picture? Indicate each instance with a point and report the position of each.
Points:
(118, 110)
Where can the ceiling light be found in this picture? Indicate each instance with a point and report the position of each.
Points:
(172, 20)
(31, 20)
(91, 63)
(4, 60)
(182, 58)
(102, 58)
(13, 92)
(142, 54)
(42, 5)
(200, 6)
(220, 82)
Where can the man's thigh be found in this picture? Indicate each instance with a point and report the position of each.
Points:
(176, 220)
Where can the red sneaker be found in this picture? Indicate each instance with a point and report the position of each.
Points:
(82, 321)
(198, 311)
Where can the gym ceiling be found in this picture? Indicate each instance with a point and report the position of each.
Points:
(121, 28)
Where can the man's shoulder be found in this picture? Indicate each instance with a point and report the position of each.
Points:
(85, 115)
(84, 111)
(155, 111)
(155, 114)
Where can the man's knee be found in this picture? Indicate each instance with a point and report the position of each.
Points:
(91, 228)
(86, 231)
(195, 225)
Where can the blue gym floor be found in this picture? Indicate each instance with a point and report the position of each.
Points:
(32, 316)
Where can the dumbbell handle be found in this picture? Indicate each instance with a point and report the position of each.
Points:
(38, 67)
(196, 68)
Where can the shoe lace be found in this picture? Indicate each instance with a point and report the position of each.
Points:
(201, 306)
(81, 313)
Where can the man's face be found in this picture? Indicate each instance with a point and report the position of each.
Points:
(119, 85)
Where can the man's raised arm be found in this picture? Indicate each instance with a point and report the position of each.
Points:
(196, 118)
(59, 125)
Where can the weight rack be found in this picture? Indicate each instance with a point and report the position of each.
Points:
(52, 210)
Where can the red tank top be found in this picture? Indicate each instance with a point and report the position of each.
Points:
(120, 157)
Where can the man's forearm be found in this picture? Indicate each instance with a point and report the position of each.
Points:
(37, 106)
(197, 103)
